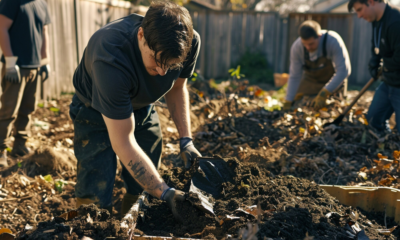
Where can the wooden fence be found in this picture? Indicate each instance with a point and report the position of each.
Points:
(73, 23)
(225, 37)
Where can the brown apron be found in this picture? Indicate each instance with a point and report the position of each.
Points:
(317, 73)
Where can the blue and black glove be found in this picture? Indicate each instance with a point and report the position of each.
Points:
(373, 67)
(188, 151)
(44, 72)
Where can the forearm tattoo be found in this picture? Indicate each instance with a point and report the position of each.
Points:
(146, 180)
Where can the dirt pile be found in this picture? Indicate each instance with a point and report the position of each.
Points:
(87, 221)
(282, 207)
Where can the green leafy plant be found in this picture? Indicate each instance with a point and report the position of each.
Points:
(255, 67)
(235, 72)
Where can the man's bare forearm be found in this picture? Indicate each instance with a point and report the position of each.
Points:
(5, 43)
(142, 170)
(44, 49)
(133, 157)
(178, 105)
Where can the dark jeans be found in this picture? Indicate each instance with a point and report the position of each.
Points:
(386, 101)
(97, 161)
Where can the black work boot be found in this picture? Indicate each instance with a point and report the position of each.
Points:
(19, 148)
(3, 158)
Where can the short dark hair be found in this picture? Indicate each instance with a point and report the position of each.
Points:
(309, 29)
(168, 31)
(351, 3)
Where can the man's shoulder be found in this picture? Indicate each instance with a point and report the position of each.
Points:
(334, 35)
(393, 18)
(334, 41)
(116, 33)
(297, 43)
(126, 25)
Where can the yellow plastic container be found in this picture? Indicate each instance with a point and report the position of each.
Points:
(371, 199)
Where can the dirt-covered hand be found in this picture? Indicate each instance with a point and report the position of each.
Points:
(12, 73)
(287, 105)
(44, 72)
(320, 100)
(173, 198)
(188, 151)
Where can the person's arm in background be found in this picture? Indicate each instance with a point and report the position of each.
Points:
(5, 43)
(341, 62)
(12, 70)
(44, 50)
(295, 73)
(45, 66)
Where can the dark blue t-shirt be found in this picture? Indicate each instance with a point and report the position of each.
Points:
(111, 76)
(26, 31)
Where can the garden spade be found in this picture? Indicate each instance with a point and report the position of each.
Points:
(203, 202)
(339, 119)
(211, 174)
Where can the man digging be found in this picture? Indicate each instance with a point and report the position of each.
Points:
(385, 21)
(319, 65)
(128, 65)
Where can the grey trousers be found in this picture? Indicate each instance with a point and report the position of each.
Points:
(18, 101)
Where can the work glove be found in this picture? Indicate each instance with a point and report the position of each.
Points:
(44, 71)
(287, 105)
(12, 73)
(320, 100)
(188, 151)
(373, 67)
(173, 197)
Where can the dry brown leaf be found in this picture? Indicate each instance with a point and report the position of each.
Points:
(387, 166)
(358, 112)
(385, 182)
(69, 215)
(380, 156)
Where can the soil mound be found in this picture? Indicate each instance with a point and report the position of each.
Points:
(282, 207)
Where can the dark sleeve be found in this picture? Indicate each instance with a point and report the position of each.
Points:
(110, 91)
(9, 8)
(190, 63)
(375, 58)
(394, 39)
(47, 20)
